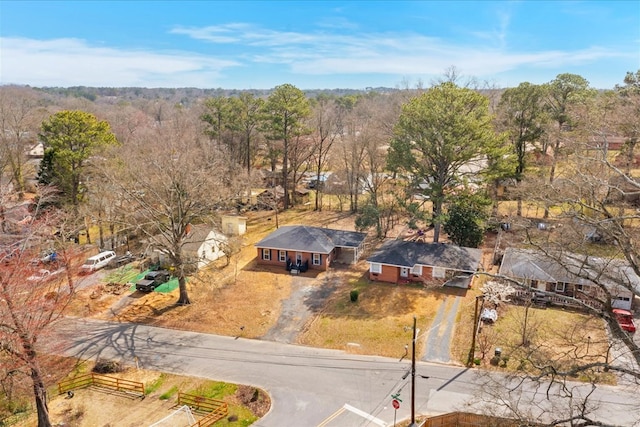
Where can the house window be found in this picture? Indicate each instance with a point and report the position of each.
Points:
(560, 286)
(404, 272)
(282, 256)
(580, 288)
(266, 254)
(317, 258)
(375, 268)
(438, 272)
(416, 270)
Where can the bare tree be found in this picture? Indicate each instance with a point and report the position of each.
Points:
(326, 126)
(30, 301)
(351, 151)
(592, 225)
(20, 116)
(170, 181)
(301, 151)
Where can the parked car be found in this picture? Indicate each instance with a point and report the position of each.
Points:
(39, 275)
(152, 280)
(121, 260)
(624, 319)
(48, 257)
(97, 262)
(489, 315)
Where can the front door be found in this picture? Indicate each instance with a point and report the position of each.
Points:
(404, 272)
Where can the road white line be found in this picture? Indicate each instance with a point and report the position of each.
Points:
(364, 415)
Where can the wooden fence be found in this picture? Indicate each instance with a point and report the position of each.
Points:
(104, 381)
(465, 419)
(215, 409)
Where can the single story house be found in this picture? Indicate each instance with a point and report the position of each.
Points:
(234, 225)
(201, 246)
(398, 261)
(317, 247)
(572, 275)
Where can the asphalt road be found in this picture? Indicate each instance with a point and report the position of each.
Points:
(307, 385)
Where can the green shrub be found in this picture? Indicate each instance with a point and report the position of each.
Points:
(155, 385)
(169, 393)
(354, 295)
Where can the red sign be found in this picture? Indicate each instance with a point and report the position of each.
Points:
(395, 403)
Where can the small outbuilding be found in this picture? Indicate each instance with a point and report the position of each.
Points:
(234, 225)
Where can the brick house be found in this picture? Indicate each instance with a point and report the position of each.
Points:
(313, 246)
(398, 261)
(572, 276)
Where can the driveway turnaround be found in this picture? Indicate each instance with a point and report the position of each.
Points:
(307, 385)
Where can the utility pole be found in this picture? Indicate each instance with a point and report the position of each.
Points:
(413, 376)
(475, 332)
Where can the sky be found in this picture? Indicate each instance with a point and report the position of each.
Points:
(314, 44)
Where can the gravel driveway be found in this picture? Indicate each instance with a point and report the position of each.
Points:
(307, 298)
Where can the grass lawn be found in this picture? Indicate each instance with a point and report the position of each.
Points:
(553, 336)
(378, 322)
(126, 274)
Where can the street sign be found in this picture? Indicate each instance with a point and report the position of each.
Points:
(395, 403)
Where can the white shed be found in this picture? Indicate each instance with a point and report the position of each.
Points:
(234, 225)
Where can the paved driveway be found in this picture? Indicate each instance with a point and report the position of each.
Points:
(438, 345)
(307, 299)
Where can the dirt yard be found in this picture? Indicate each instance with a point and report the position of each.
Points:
(245, 403)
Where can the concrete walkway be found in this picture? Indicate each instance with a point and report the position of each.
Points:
(438, 344)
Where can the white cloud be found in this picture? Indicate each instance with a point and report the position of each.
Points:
(72, 62)
(324, 53)
(257, 52)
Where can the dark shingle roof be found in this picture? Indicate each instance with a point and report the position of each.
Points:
(408, 254)
(310, 239)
